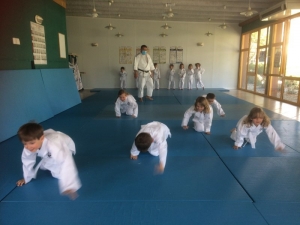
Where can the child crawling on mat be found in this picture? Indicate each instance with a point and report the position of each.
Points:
(250, 126)
(55, 149)
(152, 138)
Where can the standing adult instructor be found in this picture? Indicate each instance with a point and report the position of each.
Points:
(143, 66)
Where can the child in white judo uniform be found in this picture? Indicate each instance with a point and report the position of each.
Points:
(198, 75)
(211, 98)
(182, 74)
(190, 75)
(55, 149)
(203, 116)
(171, 76)
(126, 103)
(123, 77)
(152, 138)
(156, 76)
(250, 126)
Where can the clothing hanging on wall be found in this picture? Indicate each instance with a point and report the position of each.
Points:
(73, 65)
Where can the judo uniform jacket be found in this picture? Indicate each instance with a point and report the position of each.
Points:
(182, 74)
(129, 106)
(56, 153)
(190, 74)
(198, 74)
(144, 65)
(250, 133)
(217, 106)
(202, 121)
(159, 147)
(123, 76)
(171, 78)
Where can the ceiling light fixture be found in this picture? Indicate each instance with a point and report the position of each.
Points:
(163, 35)
(119, 35)
(248, 12)
(223, 25)
(166, 26)
(110, 26)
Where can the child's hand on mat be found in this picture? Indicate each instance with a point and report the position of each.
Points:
(118, 116)
(222, 115)
(185, 127)
(236, 147)
(159, 169)
(207, 133)
(280, 148)
(71, 194)
(20, 182)
(133, 116)
(134, 157)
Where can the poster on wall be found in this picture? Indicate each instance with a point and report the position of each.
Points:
(38, 43)
(125, 55)
(159, 54)
(62, 45)
(176, 54)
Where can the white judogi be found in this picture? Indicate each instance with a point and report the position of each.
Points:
(182, 74)
(123, 76)
(190, 74)
(217, 106)
(250, 133)
(56, 153)
(143, 64)
(137, 82)
(129, 106)
(198, 73)
(159, 147)
(156, 77)
(202, 121)
(171, 78)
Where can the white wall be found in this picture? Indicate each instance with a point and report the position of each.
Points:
(219, 55)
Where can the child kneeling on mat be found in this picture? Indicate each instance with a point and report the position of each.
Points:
(126, 103)
(152, 138)
(250, 126)
(55, 149)
(203, 115)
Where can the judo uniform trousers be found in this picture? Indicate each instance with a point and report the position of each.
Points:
(123, 76)
(190, 74)
(56, 153)
(159, 147)
(217, 106)
(129, 106)
(250, 133)
(143, 64)
(156, 77)
(171, 78)
(202, 121)
(198, 75)
(182, 74)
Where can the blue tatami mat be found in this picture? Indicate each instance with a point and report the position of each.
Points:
(268, 179)
(205, 180)
(220, 140)
(278, 213)
(135, 213)
(121, 179)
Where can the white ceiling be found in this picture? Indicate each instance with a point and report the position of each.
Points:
(184, 10)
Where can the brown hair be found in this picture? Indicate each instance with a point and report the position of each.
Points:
(122, 92)
(210, 96)
(143, 141)
(203, 102)
(257, 112)
(181, 64)
(30, 131)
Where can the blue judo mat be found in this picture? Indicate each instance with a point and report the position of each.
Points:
(205, 180)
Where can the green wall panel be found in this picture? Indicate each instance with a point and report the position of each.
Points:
(15, 18)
